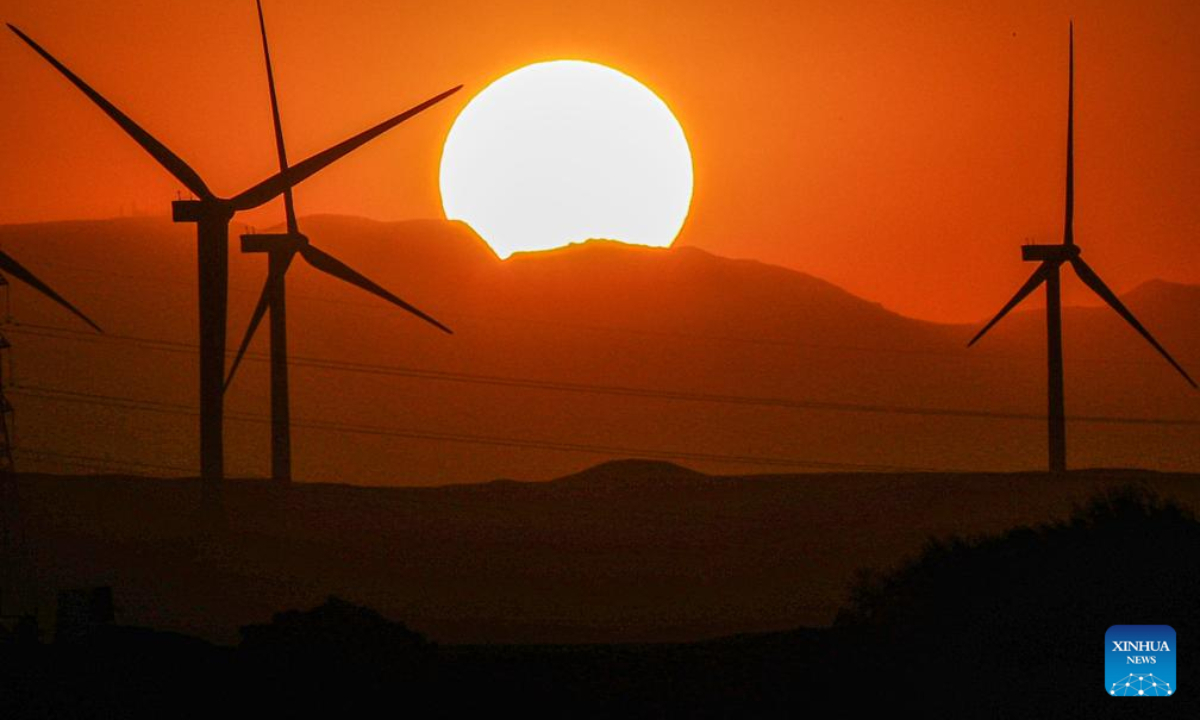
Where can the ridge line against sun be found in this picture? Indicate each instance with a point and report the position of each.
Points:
(565, 151)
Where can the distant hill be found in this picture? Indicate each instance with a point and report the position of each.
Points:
(564, 359)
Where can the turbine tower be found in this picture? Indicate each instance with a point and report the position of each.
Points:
(280, 249)
(1051, 258)
(212, 215)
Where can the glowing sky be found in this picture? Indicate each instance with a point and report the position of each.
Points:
(900, 150)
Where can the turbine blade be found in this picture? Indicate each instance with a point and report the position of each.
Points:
(328, 264)
(260, 310)
(288, 204)
(169, 160)
(275, 185)
(1038, 277)
(1092, 280)
(9, 265)
(1069, 221)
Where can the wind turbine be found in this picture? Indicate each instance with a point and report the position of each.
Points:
(212, 215)
(1051, 258)
(280, 249)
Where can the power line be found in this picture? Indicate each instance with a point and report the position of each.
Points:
(92, 462)
(955, 353)
(596, 389)
(66, 462)
(357, 429)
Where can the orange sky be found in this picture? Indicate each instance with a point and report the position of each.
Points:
(900, 150)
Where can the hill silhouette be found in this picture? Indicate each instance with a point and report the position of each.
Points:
(564, 359)
(626, 552)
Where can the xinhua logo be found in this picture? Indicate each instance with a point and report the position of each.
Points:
(1139, 661)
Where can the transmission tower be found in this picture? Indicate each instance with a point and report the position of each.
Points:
(10, 530)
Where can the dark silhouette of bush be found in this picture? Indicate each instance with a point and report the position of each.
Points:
(982, 615)
(337, 629)
(336, 656)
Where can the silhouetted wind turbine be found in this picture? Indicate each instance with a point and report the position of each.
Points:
(212, 215)
(1051, 258)
(280, 249)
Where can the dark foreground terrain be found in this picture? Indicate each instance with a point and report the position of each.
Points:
(1006, 624)
(623, 552)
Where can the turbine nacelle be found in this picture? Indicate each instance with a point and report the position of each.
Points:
(196, 211)
(1050, 253)
(273, 242)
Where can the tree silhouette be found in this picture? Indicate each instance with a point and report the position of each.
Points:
(976, 618)
(336, 657)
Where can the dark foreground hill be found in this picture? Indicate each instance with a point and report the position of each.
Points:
(1004, 625)
(625, 552)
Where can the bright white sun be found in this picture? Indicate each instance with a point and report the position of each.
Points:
(564, 151)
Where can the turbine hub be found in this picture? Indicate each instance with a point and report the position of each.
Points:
(1049, 253)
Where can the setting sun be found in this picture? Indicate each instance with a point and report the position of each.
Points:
(565, 151)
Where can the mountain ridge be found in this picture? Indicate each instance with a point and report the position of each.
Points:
(563, 359)
(405, 234)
